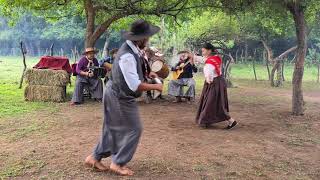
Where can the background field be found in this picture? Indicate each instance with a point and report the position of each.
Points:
(12, 102)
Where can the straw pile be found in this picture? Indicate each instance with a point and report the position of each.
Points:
(47, 77)
(46, 85)
(45, 93)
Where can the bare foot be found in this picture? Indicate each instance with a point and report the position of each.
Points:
(94, 164)
(123, 171)
(126, 168)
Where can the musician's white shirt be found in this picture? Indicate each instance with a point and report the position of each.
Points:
(209, 72)
(128, 66)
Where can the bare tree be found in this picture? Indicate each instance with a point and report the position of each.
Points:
(277, 64)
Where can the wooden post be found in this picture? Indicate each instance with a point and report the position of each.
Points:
(246, 53)
(61, 51)
(237, 55)
(51, 49)
(318, 80)
(23, 51)
(241, 56)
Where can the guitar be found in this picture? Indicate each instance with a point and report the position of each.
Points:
(178, 72)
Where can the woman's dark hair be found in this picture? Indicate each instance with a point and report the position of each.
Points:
(209, 46)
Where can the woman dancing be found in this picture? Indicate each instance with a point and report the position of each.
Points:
(214, 107)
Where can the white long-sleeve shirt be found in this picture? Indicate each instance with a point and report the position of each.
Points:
(209, 72)
(128, 66)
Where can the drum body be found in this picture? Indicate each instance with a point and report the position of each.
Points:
(160, 68)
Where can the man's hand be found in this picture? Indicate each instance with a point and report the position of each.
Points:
(178, 68)
(158, 87)
(153, 75)
(90, 74)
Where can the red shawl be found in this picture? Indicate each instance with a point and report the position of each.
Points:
(216, 61)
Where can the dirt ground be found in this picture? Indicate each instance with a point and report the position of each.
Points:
(268, 143)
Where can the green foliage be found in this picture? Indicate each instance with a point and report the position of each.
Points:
(214, 25)
(65, 29)
(313, 56)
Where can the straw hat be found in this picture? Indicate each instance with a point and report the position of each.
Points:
(90, 49)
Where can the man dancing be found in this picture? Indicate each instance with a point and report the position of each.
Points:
(122, 127)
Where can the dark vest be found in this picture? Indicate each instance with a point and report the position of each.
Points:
(119, 84)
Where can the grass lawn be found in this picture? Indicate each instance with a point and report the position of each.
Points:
(12, 101)
(245, 71)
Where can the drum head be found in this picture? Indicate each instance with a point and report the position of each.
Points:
(156, 66)
(156, 94)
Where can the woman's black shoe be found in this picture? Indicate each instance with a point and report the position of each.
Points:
(232, 125)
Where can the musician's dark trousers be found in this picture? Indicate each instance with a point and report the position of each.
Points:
(94, 85)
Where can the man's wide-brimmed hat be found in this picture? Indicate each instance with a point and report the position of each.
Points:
(140, 29)
(90, 49)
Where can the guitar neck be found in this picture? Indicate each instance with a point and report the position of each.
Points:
(185, 64)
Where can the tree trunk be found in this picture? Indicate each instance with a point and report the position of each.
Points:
(254, 64)
(39, 48)
(279, 81)
(297, 11)
(90, 17)
(268, 56)
(277, 67)
(267, 63)
(273, 72)
(237, 55)
(227, 73)
(246, 53)
(106, 46)
(51, 49)
(241, 56)
(283, 63)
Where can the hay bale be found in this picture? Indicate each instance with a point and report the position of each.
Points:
(45, 93)
(47, 77)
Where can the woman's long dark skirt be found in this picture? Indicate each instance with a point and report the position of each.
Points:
(214, 106)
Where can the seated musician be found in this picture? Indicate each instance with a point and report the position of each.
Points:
(108, 61)
(86, 78)
(185, 79)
